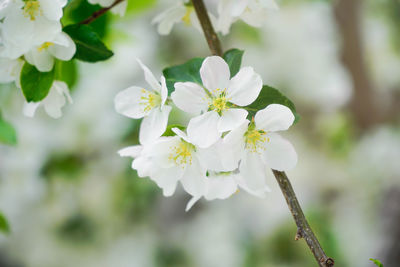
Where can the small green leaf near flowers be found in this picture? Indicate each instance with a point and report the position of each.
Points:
(377, 262)
(89, 46)
(234, 59)
(35, 84)
(169, 132)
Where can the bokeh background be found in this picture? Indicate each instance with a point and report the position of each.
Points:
(72, 201)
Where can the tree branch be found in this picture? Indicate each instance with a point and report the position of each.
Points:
(100, 13)
(303, 228)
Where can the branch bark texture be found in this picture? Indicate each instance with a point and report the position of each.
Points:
(303, 228)
(100, 12)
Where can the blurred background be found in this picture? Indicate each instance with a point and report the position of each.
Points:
(72, 201)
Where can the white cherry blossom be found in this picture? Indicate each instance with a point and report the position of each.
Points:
(52, 103)
(217, 105)
(60, 46)
(257, 147)
(10, 70)
(150, 104)
(252, 12)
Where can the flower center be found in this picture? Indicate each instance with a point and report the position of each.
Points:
(219, 103)
(186, 17)
(182, 153)
(44, 46)
(31, 9)
(149, 100)
(255, 140)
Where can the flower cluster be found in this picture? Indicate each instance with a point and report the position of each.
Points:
(30, 30)
(221, 150)
(252, 12)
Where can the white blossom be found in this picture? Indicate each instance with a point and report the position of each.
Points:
(10, 70)
(52, 103)
(60, 46)
(252, 12)
(217, 105)
(150, 104)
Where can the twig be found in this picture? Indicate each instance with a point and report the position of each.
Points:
(303, 228)
(100, 12)
(211, 37)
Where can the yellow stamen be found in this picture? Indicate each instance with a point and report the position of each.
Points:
(44, 46)
(182, 153)
(219, 103)
(186, 17)
(149, 100)
(255, 140)
(31, 9)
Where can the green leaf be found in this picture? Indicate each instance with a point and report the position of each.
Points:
(234, 59)
(187, 72)
(67, 71)
(269, 95)
(169, 132)
(8, 134)
(35, 84)
(4, 226)
(89, 46)
(377, 262)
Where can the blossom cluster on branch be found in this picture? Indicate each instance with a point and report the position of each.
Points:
(224, 148)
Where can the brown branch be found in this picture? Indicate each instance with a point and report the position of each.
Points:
(100, 13)
(304, 229)
(211, 37)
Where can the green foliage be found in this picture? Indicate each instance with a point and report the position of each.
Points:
(187, 72)
(79, 10)
(4, 226)
(269, 95)
(77, 229)
(234, 59)
(8, 134)
(138, 6)
(67, 71)
(377, 262)
(63, 166)
(169, 256)
(35, 84)
(169, 132)
(89, 46)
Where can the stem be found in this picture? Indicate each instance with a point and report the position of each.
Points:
(100, 12)
(211, 37)
(303, 228)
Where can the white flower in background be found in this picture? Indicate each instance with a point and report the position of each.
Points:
(252, 12)
(183, 11)
(42, 57)
(219, 102)
(52, 103)
(119, 9)
(10, 69)
(29, 23)
(137, 102)
(256, 146)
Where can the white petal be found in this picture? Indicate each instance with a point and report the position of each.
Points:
(54, 101)
(274, 117)
(194, 179)
(190, 97)
(259, 192)
(167, 179)
(164, 90)
(154, 125)
(120, 9)
(149, 77)
(143, 166)
(214, 157)
(181, 134)
(220, 186)
(191, 202)
(280, 154)
(41, 59)
(168, 18)
(65, 51)
(52, 9)
(252, 169)
(130, 151)
(231, 119)
(202, 130)
(30, 108)
(215, 74)
(245, 87)
(127, 103)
